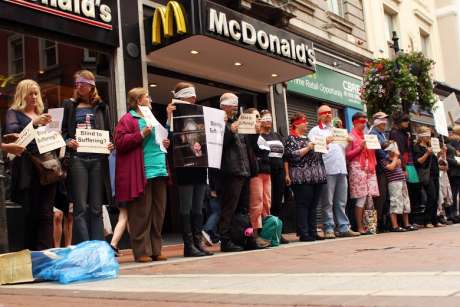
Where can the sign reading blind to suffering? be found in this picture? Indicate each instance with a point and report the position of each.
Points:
(92, 141)
(48, 140)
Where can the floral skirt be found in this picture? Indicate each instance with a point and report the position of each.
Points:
(362, 182)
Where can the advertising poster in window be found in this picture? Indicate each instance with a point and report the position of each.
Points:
(198, 134)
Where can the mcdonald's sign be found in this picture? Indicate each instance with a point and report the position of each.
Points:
(165, 18)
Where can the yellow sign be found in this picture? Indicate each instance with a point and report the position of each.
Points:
(166, 17)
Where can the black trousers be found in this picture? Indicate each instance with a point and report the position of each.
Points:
(432, 192)
(235, 197)
(307, 198)
(277, 179)
(381, 203)
(455, 186)
(38, 215)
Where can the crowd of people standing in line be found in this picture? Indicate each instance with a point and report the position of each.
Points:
(256, 169)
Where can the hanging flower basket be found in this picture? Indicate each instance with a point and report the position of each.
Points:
(390, 84)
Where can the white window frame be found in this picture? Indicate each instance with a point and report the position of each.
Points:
(336, 7)
(12, 38)
(425, 42)
(87, 58)
(42, 54)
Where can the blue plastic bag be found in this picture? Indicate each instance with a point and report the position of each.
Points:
(90, 260)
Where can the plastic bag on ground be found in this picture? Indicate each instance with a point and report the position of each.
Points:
(272, 227)
(87, 261)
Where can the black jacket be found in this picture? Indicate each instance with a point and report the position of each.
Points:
(454, 166)
(235, 160)
(103, 122)
(259, 161)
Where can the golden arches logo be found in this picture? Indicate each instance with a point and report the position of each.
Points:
(166, 17)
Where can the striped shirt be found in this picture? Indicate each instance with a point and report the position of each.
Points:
(394, 175)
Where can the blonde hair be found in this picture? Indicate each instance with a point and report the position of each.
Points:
(22, 91)
(94, 97)
(134, 95)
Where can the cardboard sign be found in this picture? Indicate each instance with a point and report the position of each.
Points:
(340, 136)
(435, 145)
(247, 123)
(92, 141)
(48, 140)
(320, 144)
(57, 114)
(26, 136)
(372, 142)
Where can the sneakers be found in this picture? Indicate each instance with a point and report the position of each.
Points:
(329, 235)
(207, 238)
(348, 234)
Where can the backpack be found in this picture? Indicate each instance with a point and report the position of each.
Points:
(271, 229)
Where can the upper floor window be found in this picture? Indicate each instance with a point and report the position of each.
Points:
(48, 54)
(425, 43)
(336, 7)
(15, 54)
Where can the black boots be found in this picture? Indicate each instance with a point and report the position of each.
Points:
(227, 245)
(189, 247)
(197, 226)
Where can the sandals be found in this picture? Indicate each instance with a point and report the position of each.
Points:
(398, 229)
(411, 227)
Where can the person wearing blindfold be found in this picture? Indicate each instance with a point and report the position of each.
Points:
(90, 178)
(335, 194)
(305, 171)
(361, 170)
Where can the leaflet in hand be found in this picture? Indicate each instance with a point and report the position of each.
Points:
(435, 145)
(372, 142)
(340, 136)
(320, 144)
(92, 141)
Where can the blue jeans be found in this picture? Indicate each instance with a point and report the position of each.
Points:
(334, 202)
(214, 216)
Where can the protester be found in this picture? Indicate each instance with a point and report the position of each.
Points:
(235, 172)
(306, 172)
(335, 194)
(275, 143)
(361, 170)
(400, 134)
(397, 189)
(260, 182)
(90, 182)
(426, 163)
(445, 200)
(453, 158)
(141, 178)
(191, 183)
(36, 199)
(381, 202)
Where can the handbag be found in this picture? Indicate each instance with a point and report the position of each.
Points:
(49, 167)
(412, 176)
(370, 217)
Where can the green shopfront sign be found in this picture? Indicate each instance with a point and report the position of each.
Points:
(329, 85)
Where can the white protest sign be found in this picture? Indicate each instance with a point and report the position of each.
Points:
(26, 136)
(214, 121)
(57, 114)
(457, 159)
(161, 134)
(451, 109)
(440, 120)
(149, 117)
(48, 140)
(320, 144)
(372, 142)
(92, 141)
(340, 136)
(247, 123)
(435, 145)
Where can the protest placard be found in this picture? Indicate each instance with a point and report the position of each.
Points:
(247, 123)
(320, 144)
(451, 109)
(92, 141)
(48, 140)
(148, 116)
(340, 136)
(372, 142)
(435, 145)
(57, 114)
(440, 120)
(26, 136)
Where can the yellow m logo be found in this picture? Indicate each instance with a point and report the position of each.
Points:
(166, 17)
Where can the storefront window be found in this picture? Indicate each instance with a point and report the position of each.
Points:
(52, 64)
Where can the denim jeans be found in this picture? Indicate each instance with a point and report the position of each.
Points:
(87, 189)
(334, 202)
(214, 216)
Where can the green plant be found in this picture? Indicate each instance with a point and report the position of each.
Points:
(392, 85)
